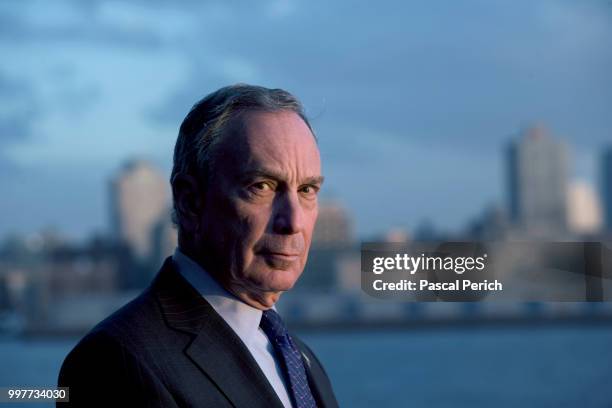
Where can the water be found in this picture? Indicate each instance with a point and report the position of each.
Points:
(501, 367)
(525, 367)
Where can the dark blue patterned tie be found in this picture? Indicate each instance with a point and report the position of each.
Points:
(272, 325)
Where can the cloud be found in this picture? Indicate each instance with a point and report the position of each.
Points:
(62, 23)
(76, 100)
(18, 112)
(380, 81)
(202, 78)
(19, 109)
(465, 75)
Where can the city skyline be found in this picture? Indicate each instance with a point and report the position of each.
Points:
(582, 210)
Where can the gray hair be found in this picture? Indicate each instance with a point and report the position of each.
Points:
(208, 119)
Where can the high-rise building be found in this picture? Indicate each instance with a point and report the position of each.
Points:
(332, 241)
(333, 227)
(606, 179)
(537, 181)
(583, 208)
(139, 199)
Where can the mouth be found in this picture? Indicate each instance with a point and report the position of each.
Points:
(280, 259)
(281, 256)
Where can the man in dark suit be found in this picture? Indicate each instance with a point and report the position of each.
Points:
(205, 333)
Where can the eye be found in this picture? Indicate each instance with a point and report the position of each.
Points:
(260, 187)
(309, 190)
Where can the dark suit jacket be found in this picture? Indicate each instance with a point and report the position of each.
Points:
(169, 348)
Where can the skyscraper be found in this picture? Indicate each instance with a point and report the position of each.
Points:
(606, 179)
(537, 182)
(332, 241)
(583, 208)
(333, 227)
(139, 199)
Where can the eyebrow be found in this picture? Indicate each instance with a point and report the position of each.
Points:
(274, 175)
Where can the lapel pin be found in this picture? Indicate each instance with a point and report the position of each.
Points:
(306, 359)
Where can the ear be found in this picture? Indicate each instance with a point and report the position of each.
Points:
(189, 196)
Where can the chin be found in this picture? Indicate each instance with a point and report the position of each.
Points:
(278, 280)
(274, 277)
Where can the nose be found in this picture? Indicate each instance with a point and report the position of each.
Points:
(288, 214)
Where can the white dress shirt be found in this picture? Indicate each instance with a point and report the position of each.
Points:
(241, 317)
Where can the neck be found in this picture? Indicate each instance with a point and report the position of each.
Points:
(257, 299)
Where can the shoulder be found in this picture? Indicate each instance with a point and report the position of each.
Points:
(110, 341)
(132, 328)
(112, 359)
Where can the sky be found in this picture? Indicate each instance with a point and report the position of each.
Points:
(412, 101)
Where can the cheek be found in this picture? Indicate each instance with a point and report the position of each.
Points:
(250, 226)
(226, 228)
(311, 222)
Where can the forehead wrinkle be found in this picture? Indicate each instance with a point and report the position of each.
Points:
(272, 149)
(284, 163)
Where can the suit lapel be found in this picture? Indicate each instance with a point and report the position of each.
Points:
(215, 348)
(317, 379)
(313, 382)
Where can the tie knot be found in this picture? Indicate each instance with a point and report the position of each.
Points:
(272, 324)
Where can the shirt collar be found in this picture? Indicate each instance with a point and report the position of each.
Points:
(242, 318)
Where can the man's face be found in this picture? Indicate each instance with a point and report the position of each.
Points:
(261, 205)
